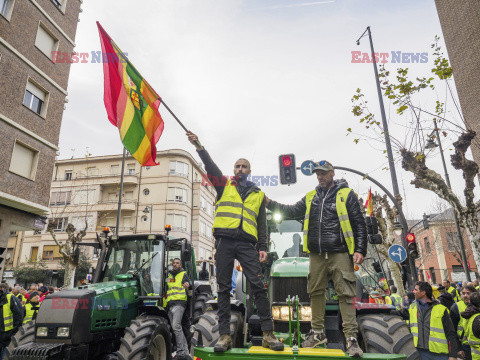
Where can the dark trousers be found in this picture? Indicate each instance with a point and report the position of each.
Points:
(228, 250)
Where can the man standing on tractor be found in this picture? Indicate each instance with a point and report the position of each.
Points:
(335, 236)
(459, 322)
(240, 230)
(176, 303)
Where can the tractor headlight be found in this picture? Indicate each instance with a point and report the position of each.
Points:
(280, 313)
(276, 312)
(305, 313)
(63, 332)
(42, 331)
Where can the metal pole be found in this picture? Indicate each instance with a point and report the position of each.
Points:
(413, 272)
(455, 218)
(151, 216)
(391, 163)
(119, 210)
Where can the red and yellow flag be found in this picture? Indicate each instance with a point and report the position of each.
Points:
(369, 203)
(131, 103)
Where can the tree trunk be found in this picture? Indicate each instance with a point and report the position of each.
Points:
(69, 277)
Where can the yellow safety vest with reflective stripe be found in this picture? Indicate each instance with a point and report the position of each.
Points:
(8, 314)
(461, 324)
(175, 290)
(341, 204)
(457, 298)
(473, 341)
(437, 341)
(397, 301)
(29, 312)
(231, 211)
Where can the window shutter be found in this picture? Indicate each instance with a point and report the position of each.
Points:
(45, 42)
(35, 90)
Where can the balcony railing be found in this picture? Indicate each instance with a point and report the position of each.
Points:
(96, 174)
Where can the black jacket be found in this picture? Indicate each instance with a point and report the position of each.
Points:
(446, 300)
(17, 310)
(324, 232)
(468, 313)
(219, 181)
(423, 322)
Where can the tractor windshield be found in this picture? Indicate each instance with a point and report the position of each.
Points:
(286, 237)
(143, 258)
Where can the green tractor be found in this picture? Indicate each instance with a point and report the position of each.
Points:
(121, 314)
(381, 335)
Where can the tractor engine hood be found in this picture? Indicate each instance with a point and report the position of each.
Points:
(290, 267)
(73, 316)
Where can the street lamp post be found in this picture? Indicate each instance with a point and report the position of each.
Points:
(149, 210)
(431, 145)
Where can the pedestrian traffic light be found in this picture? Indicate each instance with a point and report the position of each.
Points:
(288, 171)
(426, 223)
(372, 230)
(412, 246)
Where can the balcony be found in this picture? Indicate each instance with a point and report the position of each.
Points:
(107, 178)
(112, 205)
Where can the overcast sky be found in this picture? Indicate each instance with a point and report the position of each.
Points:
(255, 79)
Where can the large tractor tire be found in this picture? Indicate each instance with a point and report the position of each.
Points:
(386, 334)
(200, 305)
(147, 337)
(207, 326)
(24, 335)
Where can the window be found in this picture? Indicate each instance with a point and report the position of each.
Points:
(146, 192)
(457, 269)
(128, 195)
(127, 222)
(177, 195)
(35, 98)
(92, 171)
(115, 169)
(428, 249)
(112, 197)
(68, 174)
(59, 224)
(60, 198)
(130, 169)
(24, 161)
(45, 41)
(178, 222)
(6, 7)
(51, 252)
(432, 275)
(202, 228)
(34, 253)
(96, 253)
(203, 203)
(80, 221)
(84, 197)
(178, 168)
(452, 241)
(144, 218)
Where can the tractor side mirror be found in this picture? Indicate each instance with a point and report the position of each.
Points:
(186, 251)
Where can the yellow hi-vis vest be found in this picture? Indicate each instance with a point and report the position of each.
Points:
(175, 290)
(231, 211)
(461, 324)
(451, 289)
(341, 204)
(473, 341)
(437, 341)
(29, 312)
(8, 314)
(395, 300)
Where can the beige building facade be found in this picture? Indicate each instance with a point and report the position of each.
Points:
(33, 91)
(85, 193)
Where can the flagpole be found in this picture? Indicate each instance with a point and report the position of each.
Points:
(178, 120)
(121, 192)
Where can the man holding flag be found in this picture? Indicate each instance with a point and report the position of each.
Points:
(335, 236)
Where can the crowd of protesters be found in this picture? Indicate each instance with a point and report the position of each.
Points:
(18, 306)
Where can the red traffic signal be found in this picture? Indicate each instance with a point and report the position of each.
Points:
(410, 238)
(286, 160)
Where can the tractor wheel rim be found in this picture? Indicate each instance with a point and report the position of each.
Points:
(158, 350)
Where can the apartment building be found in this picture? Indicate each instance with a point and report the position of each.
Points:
(85, 193)
(33, 90)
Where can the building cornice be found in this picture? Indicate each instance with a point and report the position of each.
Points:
(22, 204)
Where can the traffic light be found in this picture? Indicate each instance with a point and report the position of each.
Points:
(426, 223)
(288, 171)
(412, 246)
(372, 230)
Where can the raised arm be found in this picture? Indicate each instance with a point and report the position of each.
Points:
(295, 211)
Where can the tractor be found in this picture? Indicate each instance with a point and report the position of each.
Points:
(121, 314)
(381, 335)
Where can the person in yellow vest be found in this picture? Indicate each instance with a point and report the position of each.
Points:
(11, 317)
(451, 289)
(240, 230)
(475, 284)
(433, 333)
(459, 322)
(471, 323)
(176, 303)
(394, 299)
(17, 291)
(31, 308)
(335, 236)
